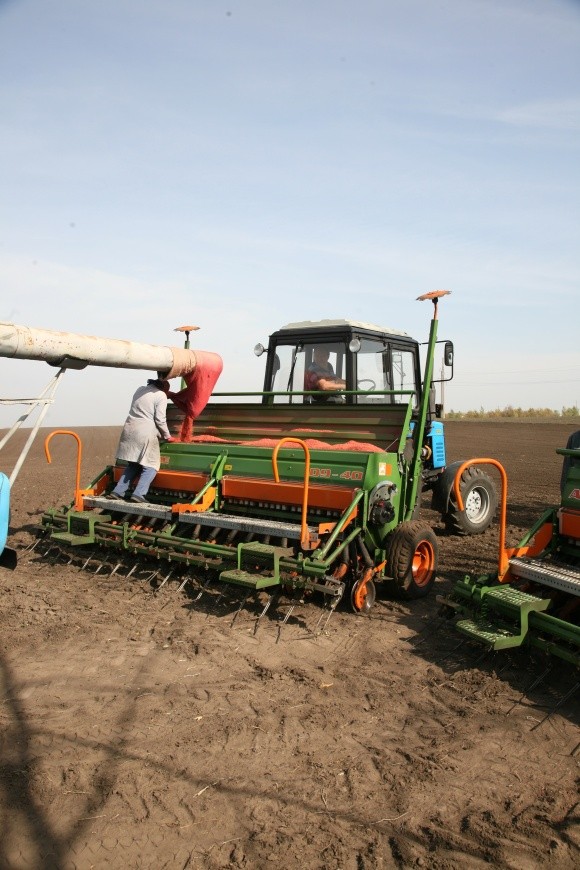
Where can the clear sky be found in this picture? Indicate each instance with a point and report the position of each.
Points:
(238, 164)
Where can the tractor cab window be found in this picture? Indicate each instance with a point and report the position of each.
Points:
(295, 364)
(382, 367)
(403, 367)
(372, 372)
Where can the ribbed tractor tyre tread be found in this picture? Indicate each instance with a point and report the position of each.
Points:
(475, 484)
(408, 541)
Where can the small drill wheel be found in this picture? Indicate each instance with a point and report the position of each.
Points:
(362, 596)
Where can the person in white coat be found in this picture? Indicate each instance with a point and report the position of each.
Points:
(138, 446)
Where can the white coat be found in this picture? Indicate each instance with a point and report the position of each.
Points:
(145, 424)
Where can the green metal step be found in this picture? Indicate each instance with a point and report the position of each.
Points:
(256, 548)
(260, 558)
(493, 633)
(72, 540)
(246, 578)
(516, 598)
(489, 633)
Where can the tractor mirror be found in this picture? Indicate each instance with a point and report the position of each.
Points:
(448, 353)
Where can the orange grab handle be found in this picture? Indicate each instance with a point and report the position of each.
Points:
(304, 538)
(502, 564)
(78, 499)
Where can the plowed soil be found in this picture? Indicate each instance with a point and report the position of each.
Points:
(141, 728)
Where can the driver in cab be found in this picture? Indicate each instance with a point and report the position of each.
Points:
(320, 373)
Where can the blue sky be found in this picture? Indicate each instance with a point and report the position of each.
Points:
(245, 163)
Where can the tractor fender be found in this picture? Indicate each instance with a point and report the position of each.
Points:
(443, 487)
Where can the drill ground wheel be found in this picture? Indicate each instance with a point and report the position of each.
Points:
(362, 596)
(412, 556)
(479, 502)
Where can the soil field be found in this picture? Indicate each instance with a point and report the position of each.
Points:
(140, 728)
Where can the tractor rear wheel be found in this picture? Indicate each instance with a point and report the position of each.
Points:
(412, 554)
(479, 501)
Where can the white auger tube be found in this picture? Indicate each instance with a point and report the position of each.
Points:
(70, 350)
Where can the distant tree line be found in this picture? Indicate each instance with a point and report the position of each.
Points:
(511, 413)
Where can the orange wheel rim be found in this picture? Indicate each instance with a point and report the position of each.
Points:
(360, 595)
(361, 590)
(423, 563)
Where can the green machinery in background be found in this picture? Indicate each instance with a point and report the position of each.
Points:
(533, 599)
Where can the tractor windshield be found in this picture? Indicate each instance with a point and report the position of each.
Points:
(379, 371)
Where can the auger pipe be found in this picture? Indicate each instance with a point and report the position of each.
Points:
(60, 348)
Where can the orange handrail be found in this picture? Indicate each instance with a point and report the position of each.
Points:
(304, 536)
(503, 561)
(78, 502)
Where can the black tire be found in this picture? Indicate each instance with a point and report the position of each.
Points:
(479, 501)
(412, 556)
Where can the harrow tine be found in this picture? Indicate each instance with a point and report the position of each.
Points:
(320, 618)
(165, 579)
(205, 586)
(31, 547)
(451, 651)
(240, 608)
(60, 554)
(222, 593)
(530, 688)
(132, 570)
(500, 671)
(424, 635)
(264, 611)
(86, 562)
(50, 549)
(184, 583)
(115, 569)
(152, 576)
(285, 620)
(482, 657)
(562, 700)
(331, 609)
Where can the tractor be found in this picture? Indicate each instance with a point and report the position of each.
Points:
(293, 490)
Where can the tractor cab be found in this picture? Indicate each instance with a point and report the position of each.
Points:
(371, 364)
